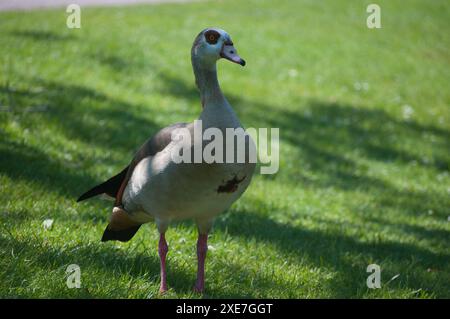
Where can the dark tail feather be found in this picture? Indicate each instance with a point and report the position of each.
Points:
(110, 187)
(120, 235)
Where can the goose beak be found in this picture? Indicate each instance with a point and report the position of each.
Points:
(229, 52)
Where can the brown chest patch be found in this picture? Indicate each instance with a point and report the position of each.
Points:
(230, 186)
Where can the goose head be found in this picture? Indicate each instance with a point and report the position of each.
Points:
(211, 45)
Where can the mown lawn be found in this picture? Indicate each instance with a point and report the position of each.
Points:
(365, 148)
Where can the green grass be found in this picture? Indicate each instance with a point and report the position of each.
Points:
(365, 148)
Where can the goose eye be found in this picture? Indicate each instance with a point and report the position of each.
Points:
(212, 36)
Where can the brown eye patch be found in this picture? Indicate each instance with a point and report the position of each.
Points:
(212, 36)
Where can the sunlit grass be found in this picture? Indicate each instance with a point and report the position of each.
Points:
(365, 139)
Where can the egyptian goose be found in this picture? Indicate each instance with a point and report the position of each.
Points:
(155, 187)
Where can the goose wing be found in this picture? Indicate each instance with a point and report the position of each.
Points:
(115, 186)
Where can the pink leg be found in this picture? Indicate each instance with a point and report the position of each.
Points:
(202, 248)
(162, 250)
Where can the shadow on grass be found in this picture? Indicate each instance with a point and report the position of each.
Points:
(335, 251)
(106, 262)
(84, 114)
(42, 35)
(44, 172)
(92, 258)
(438, 237)
(325, 136)
(80, 115)
(343, 127)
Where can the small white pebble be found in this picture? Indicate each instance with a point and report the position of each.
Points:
(48, 223)
(408, 111)
(293, 73)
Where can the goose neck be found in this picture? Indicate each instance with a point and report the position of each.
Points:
(207, 83)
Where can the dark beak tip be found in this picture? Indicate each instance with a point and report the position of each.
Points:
(242, 62)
